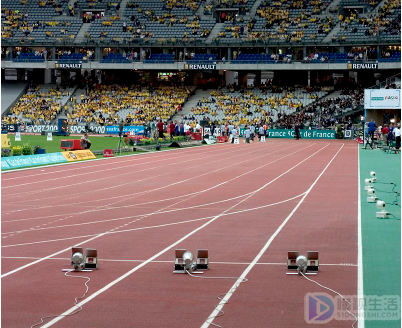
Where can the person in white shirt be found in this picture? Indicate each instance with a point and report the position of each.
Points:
(397, 133)
(234, 134)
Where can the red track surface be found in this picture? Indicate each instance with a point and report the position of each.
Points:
(138, 198)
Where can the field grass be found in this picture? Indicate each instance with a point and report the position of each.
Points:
(97, 142)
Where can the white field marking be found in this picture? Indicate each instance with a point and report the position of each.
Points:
(166, 261)
(192, 194)
(21, 194)
(111, 284)
(110, 232)
(185, 237)
(225, 299)
(113, 161)
(360, 290)
(131, 195)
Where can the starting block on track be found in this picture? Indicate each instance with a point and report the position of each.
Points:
(184, 261)
(312, 262)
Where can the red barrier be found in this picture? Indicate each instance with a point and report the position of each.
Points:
(222, 139)
(196, 136)
(108, 153)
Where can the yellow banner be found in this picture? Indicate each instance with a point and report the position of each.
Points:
(78, 155)
(5, 142)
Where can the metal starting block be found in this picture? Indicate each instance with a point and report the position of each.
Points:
(202, 259)
(200, 264)
(91, 258)
(312, 262)
(86, 263)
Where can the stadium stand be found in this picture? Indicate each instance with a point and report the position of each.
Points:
(133, 104)
(253, 105)
(40, 105)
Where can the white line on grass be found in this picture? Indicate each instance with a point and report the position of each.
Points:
(231, 291)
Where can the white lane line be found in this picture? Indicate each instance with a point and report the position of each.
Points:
(110, 232)
(360, 290)
(174, 244)
(225, 299)
(106, 206)
(112, 161)
(102, 234)
(131, 172)
(132, 195)
(171, 262)
(179, 209)
(111, 284)
(96, 190)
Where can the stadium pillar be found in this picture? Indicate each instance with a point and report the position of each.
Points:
(305, 54)
(229, 53)
(308, 77)
(242, 78)
(48, 76)
(98, 54)
(53, 57)
(257, 78)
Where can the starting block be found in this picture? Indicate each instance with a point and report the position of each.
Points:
(91, 258)
(178, 261)
(201, 263)
(262, 139)
(87, 263)
(312, 262)
(236, 141)
(202, 259)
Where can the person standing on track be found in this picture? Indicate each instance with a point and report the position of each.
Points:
(247, 134)
(234, 133)
(397, 133)
(252, 132)
(159, 126)
(172, 129)
(371, 129)
(261, 132)
(385, 131)
(297, 131)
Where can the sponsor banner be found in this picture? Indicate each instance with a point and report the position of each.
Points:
(5, 141)
(363, 66)
(68, 65)
(32, 160)
(114, 129)
(382, 98)
(78, 129)
(199, 67)
(12, 128)
(4, 164)
(78, 155)
(307, 134)
(92, 128)
(290, 133)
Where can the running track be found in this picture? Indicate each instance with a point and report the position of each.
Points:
(247, 204)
